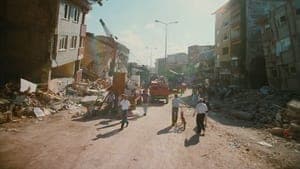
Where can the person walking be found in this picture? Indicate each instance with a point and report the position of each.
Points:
(200, 110)
(175, 106)
(124, 103)
(145, 101)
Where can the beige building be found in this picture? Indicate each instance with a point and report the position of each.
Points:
(45, 43)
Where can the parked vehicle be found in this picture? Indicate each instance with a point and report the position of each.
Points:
(159, 90)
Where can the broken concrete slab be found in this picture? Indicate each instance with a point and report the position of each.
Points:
(89, 99)
(38, 112)
(293, 109)
(25, 85)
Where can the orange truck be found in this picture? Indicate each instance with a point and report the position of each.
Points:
(159, 90)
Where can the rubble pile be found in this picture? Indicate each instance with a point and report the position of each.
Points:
(15, 103)
(278, 110)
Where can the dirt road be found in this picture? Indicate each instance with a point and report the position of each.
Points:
(149, 142)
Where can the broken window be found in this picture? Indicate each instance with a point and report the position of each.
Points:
(225, 50)
(73, 42)
(63, 42)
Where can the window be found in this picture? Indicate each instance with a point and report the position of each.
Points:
(298, 11)
(283, 45)
(225, 36)
(283, 18)
(71, 13)
(63, 42)
(225, 50)
(293, 70)
(274, 72)
(73, 42)
(66, 9)
(74, 14)
(225, 23)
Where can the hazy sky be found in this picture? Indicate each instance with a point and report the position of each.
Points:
(132, 21)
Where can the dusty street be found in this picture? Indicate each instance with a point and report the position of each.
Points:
(62, 142)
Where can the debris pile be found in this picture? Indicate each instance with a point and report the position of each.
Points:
(278, 110)
(17, 102)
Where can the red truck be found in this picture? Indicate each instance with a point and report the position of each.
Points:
(159, 90)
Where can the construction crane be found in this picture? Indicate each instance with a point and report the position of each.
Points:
(114, 46)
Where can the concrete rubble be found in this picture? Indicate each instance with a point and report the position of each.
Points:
(17, 103)
(278, 111)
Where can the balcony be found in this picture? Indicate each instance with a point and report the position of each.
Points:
(80, 53)
(83, 30)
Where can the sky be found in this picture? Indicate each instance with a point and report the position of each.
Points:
(132, 21)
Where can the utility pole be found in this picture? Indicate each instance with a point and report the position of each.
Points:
(166, 36)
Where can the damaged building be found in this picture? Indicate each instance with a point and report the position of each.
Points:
(43, 41)
(99, 54)
(281, 41)
(240, 58)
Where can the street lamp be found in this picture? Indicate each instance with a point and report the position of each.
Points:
(166, 35)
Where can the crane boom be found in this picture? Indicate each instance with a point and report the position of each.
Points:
(114, 46)
(106, 30)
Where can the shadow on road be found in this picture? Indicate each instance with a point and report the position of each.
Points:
(108, 134)
(109, 125)
(192, 140)
(164, 131)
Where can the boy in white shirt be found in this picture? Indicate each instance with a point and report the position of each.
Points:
(125, 104)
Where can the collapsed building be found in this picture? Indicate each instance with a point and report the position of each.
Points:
(43, 40)
(99, 54)
(240, 58)
(280, 31)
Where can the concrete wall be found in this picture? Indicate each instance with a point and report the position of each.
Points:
(26, 27)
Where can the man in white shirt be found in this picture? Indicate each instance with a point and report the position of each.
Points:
(175, 106)
(201, 110)
(125, 104)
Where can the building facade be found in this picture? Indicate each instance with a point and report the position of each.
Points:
(177, 62)
(281, 41)
(43, 44)
(239, 50)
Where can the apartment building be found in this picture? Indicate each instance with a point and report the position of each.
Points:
(281, 41)
(177, 62)
(42, 40)
(240, 59)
